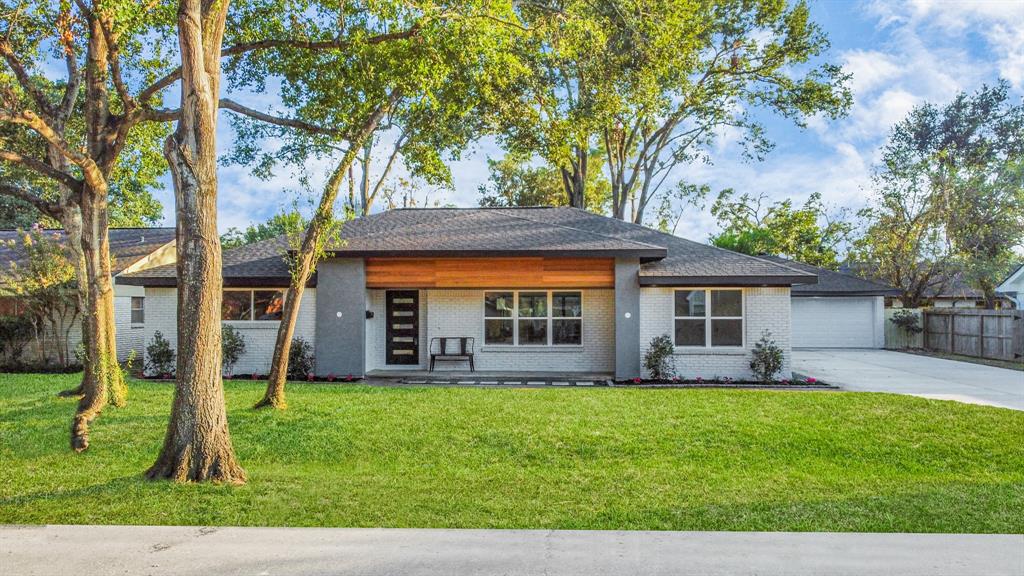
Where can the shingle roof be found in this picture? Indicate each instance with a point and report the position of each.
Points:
(665, 259)
(127, 245)
(832, 283)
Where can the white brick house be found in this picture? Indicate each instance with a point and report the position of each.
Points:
(552, 290)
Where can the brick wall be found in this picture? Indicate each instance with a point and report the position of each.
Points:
(452, 313)
(763, 309)
(161, 314)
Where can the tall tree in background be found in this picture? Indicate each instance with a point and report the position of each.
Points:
(950, 195)
(806, 234)
(654, 83)
(514, 181)
(288, 222)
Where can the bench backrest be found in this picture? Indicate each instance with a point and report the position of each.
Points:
(452, 346)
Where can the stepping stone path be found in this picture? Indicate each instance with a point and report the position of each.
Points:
(475, 382)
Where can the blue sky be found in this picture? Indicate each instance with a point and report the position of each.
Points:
(900, 54)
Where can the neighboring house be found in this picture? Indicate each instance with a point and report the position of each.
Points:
(840, 311)
(540, 289)
(1013, 287)
(951, 291)
(132, 250)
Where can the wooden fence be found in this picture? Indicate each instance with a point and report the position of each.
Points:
(996, 334)
(897, 338)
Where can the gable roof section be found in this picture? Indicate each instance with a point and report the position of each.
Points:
(128, 246)
(1007, 284)
(832, 283)
(666, 260)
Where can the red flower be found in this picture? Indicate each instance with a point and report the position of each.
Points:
(812, 380)
(636, 380)
(349, 378)
(331, 377)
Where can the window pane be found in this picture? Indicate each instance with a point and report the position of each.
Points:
(726, 303)
(498, 331)
(690, 333)
(690, 303)
(533, 304)
(727, 332)
(138, 310)
(566, 304)
(498, 304)
(268, 304)
(566, 331)
(533, 332)
(237, 305)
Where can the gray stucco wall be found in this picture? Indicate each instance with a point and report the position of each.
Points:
(341, 317)
(627, 318)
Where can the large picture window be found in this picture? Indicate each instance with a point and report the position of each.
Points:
(709, 318)
(252, 305)
(533, 318)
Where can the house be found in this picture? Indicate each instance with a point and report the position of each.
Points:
(539, 289)
(1012, 288)
(840, 311)
(131, 250)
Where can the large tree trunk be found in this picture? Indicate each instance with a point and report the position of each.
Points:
(574, 179)
(197, 446)
(71, 219)
(106, 381)
(304, 262)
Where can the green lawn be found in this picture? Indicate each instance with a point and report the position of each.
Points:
(353, 455)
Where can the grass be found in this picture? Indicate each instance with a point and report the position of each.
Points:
(611, 458)
(1012, 365)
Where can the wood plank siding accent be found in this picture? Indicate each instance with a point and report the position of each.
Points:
(533, 272)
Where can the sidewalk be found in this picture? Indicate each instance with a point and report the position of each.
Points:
(88, 550)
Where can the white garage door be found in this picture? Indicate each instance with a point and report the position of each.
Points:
(834, 322)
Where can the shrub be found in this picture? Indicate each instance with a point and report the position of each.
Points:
(159, 356)
(15, 335)
(659, 360)
(767, 360)
(300, 361)
(908, 321)
(232, 345)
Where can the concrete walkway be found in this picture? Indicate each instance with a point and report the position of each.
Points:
(101, 550)
(887, 371)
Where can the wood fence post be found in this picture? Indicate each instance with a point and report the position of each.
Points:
(949, 332)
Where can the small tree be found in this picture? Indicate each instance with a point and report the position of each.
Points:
(43, 279)
(908, 321)
(232, 345)
(160, 356)
(659, 359)
(767, 358)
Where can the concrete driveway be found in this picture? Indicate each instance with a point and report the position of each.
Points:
(899, 373)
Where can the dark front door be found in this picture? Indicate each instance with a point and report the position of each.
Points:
(402, 339)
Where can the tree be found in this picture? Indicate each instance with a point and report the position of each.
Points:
(513, 181)
(44, 283)
(197, 446)
(807, 234)
(290, 222)
(652, 83)
(949, 194)
(421, 81)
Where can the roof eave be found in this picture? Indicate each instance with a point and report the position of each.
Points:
(645, 254)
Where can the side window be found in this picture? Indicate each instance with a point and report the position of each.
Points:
(499, 325)
(138, 310)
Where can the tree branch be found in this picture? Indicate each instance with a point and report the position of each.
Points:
(49, 208)
(41, 167)
(229, 104)
(33, 121)
(25, 80)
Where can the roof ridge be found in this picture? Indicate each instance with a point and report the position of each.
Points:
(592, 233)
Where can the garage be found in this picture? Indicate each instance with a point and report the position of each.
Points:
(840, 311)
(836, 322)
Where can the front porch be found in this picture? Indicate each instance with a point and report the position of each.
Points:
(488, 378)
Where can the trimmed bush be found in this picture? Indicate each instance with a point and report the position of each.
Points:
(301, 360)
(232, 344)
(659, 360)
(160, 356)
(767, 358)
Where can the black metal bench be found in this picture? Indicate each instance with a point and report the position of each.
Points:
(453, 349)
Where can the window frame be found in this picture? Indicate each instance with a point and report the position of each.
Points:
(515, 318)
(132, 310)
(709, 317)
(252, 302)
